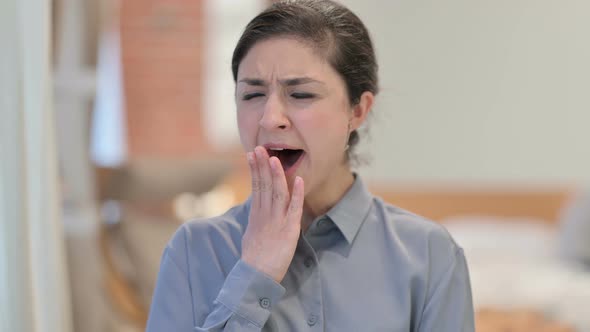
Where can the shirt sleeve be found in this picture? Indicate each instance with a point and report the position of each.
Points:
(449, 307)
(244, 302)
(171, 302)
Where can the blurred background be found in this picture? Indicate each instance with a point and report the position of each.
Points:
(118, 124)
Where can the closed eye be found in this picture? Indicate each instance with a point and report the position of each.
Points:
(252, 95)
(301, 95)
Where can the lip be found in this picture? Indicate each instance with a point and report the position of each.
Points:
(280, 146)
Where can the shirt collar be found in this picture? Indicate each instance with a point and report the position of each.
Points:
(350, 212)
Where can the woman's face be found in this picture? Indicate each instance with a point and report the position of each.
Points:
(288, 97)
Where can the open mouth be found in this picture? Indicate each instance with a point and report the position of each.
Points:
(288, 157)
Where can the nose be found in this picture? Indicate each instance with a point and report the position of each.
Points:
(274, 116)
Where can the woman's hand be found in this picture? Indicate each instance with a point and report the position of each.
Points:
(274, 223)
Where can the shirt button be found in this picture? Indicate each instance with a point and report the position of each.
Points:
(308, 262)
(264, 302)
(322, 223)
(312, 320)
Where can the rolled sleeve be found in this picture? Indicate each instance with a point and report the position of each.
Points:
(449, 307)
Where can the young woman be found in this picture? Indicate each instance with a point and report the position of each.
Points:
(311, 249)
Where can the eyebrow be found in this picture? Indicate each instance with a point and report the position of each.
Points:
(287, 82)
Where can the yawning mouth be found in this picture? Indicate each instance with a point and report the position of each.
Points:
(288, 157)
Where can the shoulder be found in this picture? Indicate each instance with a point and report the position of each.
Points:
(417, 234)
(204, 236)
(232, 222)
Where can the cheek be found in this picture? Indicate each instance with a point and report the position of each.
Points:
(326, 121)
(247, 127)
(323, 131)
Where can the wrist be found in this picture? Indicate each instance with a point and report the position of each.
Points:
(262, 267)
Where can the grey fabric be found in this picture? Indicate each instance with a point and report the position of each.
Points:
(364, 266)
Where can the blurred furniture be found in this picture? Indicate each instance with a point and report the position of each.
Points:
(520, 320)
(143, 203)
(575, 222)
(438, 202)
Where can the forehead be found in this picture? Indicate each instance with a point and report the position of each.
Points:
(281, 58)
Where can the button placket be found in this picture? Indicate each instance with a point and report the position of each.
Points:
(313, 288)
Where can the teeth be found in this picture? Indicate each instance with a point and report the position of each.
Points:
(276, 149)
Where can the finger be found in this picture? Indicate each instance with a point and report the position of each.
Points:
(280, 190)
(295, 209)
(255, 179)
(265, 183)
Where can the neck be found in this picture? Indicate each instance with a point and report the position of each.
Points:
(326, 195)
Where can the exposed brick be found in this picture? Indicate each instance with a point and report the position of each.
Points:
(162, 54)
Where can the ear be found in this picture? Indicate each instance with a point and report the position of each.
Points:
(361, 110)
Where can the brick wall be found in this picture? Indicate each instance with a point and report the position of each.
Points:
(162, 47)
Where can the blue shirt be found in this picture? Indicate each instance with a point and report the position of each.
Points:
(364, 266)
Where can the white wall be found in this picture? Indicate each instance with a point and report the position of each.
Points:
(491, 91)
(34, 293)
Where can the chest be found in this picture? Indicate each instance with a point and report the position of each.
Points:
(327, 291)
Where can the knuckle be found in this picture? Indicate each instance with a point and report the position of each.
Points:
(294, 207)
(255, 185)
(265, 185)
(278, 196)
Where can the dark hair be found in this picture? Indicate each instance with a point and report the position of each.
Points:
(329, 28)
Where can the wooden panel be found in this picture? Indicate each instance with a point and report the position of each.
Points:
(439, 203)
